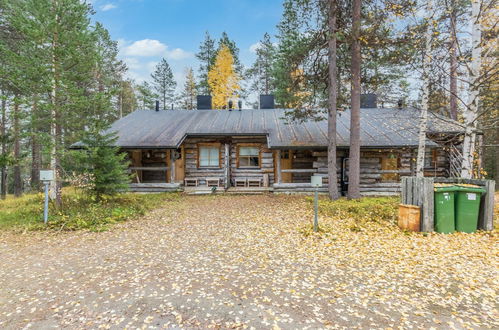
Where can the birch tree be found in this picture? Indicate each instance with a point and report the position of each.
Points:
(423, 122)
(223, 79)
(471, 111)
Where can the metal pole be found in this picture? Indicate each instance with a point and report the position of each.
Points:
(316, 209)
(46, 209)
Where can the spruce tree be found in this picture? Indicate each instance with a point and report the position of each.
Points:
(206, 57)
(189, 93)
(260, 73)
(103, 161)
(163, 83)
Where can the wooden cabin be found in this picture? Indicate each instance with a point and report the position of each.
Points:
(261, 150)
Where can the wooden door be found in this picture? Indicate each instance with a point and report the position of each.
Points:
(389, 163)
(286, 163)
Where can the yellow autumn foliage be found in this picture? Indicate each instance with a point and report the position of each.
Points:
(223, 79)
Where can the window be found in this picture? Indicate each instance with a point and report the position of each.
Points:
(209, 156)
(249, 156)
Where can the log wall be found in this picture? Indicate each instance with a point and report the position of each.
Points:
(193, 171)
(374, 179)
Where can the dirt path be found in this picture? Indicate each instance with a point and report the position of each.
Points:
(241, 261)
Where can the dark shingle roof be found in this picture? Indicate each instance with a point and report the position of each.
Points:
(168, 128)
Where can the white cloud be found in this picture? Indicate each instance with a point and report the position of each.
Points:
(253, 48)
(145, 47)
(108, 6)
(178, 54)
(151, 48)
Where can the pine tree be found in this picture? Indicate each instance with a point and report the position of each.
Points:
(146, 97)
(105, 164)
(332, 100)
(223, 79)
(354, 150)
(261, 71)
(127, 101)
(206, 57)
(189, 93)
(163, 83)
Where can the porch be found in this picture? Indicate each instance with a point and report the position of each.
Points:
(247, 165)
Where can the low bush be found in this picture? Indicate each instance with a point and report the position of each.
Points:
(78, 211)
(364, 209)
(365, 214)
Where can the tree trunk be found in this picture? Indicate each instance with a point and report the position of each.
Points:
(55, 188)
(423, 122)
(18, 185)
(3, 170)
(471, 111)
(354, 154)
(453, 62)
(496, 155)
(332, 96)
(35, 148)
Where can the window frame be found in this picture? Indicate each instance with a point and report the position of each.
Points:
(216, 145)
(251, 145)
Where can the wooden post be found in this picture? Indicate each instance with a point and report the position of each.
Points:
(278, 166)
(227, 165)
(486, 217)
(427, 205)
(172, 166)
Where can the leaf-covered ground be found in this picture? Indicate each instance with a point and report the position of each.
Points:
(246, 261)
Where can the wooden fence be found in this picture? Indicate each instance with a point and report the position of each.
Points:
(420, 192)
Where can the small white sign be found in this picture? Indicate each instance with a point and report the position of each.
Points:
(471, 196)
(316, 181)
(46, 175)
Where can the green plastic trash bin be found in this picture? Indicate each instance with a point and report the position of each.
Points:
(468, 207)
(444, 208)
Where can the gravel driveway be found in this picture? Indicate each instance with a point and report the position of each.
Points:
(242, 261)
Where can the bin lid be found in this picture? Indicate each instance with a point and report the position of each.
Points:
(470, 188)
(444, 187)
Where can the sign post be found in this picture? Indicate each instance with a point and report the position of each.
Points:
(316, 182)
(46, 176)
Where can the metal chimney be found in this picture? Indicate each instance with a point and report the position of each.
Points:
(368, 100)
(157, 105)
(231, 105)
(204, 102)
(267, 101)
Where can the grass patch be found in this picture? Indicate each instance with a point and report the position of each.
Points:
(356, 215)
(78, 211)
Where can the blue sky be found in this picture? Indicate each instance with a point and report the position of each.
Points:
(147, 30)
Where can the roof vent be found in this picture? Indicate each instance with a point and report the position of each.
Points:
(204, 102)
(231, 105)
(368, 100)
(267, 101)
(240, 104)
(157, 105)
